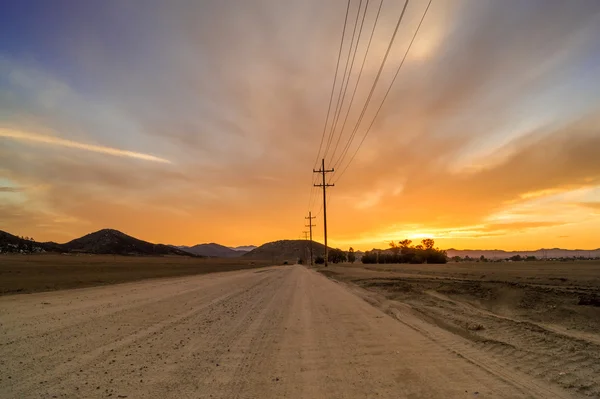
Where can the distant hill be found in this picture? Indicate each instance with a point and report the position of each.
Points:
(213, 250)
(9, 239)
(109, 241)
(13, 244)
(540, 253)
(290, 250)
(244, 248)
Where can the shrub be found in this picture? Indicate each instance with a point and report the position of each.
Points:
(336, 256)
(351, 255)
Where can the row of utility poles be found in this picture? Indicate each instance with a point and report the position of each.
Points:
(310, 225)
(310, 217)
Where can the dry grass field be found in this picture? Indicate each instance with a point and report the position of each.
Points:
(541, 318)
(48, 272)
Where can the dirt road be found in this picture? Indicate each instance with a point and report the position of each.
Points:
(268, 333)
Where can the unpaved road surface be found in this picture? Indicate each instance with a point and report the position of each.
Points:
(268, 333)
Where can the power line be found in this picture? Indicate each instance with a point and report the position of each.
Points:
(321, 207)
(362, 114)
(344, 85)
(314, 190)
(334, 81)
(387, 92)
(312, 197)
(320, 210)
(357, 80)
(330, 101)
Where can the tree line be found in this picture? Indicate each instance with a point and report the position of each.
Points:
(405, 252)
(337, 256)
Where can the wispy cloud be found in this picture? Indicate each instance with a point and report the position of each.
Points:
(10, 189)
(57, 141)
(592, 205)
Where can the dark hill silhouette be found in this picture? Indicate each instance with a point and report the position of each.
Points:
(7, 238)
(109, 241)
(12, 243)
(290, 250)
(213, 250)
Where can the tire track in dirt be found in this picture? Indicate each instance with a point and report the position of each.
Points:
(206, 357)
(52, 378)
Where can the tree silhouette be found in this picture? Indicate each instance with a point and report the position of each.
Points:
(421, 253)
(428, 243)
(351, 255)
(336, 256)
(405, 243)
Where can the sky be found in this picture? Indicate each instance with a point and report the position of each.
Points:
(185, 122)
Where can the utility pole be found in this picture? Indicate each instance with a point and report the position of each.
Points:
(323, 171)
(310, 226)
(305, 239)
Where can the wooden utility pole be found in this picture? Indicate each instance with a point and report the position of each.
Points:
(305, 240)
(310, 226)
(323, 171)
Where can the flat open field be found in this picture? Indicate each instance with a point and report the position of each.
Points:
(538, 318)
(277, 332)
(48, 272)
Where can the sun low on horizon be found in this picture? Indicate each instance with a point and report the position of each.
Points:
(473, 123)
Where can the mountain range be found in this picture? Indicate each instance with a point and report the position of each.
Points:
(106, 241)
(244, 248)
(543, 253)
(109, 241)
(213, 250)
(540, 253)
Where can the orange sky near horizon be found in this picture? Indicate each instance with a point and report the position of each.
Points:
(202, 124)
